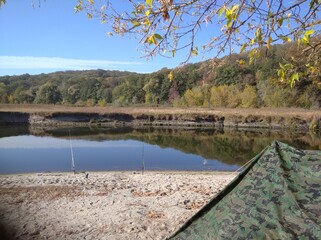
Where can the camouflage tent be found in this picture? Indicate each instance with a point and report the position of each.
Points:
(278, 196)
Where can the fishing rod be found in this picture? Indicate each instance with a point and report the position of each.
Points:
(72, 155)
(143, 161)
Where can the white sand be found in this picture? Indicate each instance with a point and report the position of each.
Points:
(109, 205)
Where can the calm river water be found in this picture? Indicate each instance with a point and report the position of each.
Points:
(27, 149)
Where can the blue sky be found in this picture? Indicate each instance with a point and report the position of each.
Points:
(52, 37)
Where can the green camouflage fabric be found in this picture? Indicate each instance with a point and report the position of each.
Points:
(278, 196)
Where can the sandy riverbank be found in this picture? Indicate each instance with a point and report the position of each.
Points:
(109, 205)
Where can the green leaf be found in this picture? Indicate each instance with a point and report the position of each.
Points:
(221, 11)
(281, 73)
(312, 4)
(281, 66)
(195, 51)
(280, 22)
(136, 23)
(158, 36)
(293, 78)
(78, 7)
(285, 39)
(288, 66)
(149, 2)
(89, 15)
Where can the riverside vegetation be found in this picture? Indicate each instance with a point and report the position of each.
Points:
(231, 83)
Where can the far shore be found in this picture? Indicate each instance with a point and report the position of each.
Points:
(59, 115)
(106, 205)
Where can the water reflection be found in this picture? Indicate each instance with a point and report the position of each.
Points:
(30, 149)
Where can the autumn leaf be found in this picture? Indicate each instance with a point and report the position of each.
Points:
(149, 2)
(171, 76)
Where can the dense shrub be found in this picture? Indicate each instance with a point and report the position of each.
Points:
(278, 96)
(198, 96)
(234, 97)
(219, 96)
(102, 103)
(310, 98)
(48, 94)
(249, 97)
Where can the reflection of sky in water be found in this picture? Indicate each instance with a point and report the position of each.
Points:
(45, 142)
(44, 154)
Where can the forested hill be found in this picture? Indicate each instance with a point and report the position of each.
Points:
(227, 82)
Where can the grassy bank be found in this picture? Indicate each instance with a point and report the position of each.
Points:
(285, 112)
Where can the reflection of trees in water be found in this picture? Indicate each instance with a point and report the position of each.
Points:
(228, 145)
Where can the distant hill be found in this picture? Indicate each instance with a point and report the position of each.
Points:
(227, 82)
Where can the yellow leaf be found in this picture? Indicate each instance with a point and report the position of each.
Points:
(146, 22)
(243, 47)
(269, 40)
(234, 8)
(171, 76)
(229, 21)
(149, 2)
(91, 2)
(309, 32)
(151, 40)
(258, 34)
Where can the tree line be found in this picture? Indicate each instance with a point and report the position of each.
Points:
(227, 82)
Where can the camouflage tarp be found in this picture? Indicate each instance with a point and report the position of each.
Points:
(278, 196)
